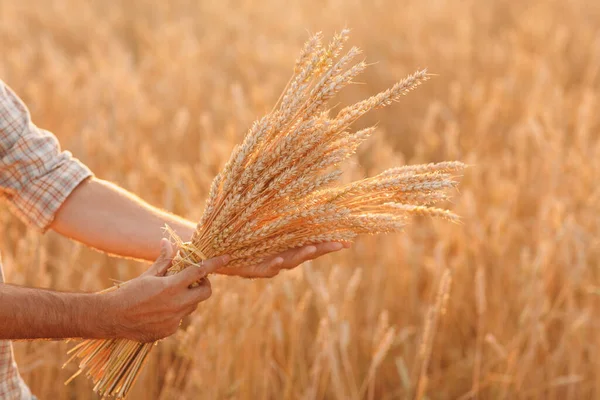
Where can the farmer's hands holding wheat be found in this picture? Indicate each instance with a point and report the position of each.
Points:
(151, 306)
(279, 201)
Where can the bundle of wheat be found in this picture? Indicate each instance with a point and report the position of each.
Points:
(277, 191)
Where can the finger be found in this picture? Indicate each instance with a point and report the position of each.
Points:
(190, 310)
(255, 271)
(286, 260)
(292, 257)
(270, 268)
(300, 255)
(311, 252)
(325, 248)
(194, 273)
(170, 253)
(163, 262)
(235, 271)
(199, 293)
(185, 313)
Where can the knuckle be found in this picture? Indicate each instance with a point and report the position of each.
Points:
(148, 337)
(154, 338)
(191, 309)
(173, 327)
(201, 284)
(200, 273)
(179, 311)
(204, 293)
(183, 309)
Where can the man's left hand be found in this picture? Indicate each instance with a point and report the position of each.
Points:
(286, 260)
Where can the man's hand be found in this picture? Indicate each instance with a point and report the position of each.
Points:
(286, 260)
(145, 309)
(152, 306)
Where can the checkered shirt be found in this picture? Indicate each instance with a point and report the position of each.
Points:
(35, 179)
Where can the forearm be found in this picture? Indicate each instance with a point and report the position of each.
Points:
(108, 218)
(27, 313)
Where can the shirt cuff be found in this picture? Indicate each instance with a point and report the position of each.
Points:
(38, 201)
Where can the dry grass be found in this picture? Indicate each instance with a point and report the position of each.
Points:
(503, 306)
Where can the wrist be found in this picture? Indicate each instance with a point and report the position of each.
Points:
(105, 315)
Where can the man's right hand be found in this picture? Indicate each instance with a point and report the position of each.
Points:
(151, 306)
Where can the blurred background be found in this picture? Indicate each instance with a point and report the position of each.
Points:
(154, 95)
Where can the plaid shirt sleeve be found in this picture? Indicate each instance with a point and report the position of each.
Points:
(36, 177)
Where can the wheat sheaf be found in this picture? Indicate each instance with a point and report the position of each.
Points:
(281, 189)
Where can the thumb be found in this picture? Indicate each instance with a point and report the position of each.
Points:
(163, 262)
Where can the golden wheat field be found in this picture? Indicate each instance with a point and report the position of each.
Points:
(506, 305)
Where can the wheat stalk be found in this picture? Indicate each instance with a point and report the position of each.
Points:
(277, 191)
